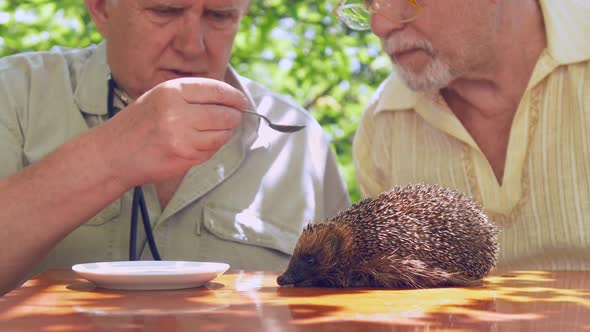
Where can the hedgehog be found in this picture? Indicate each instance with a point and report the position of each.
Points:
(413, 236)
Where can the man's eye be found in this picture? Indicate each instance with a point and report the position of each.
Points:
(168, 11)
(222, 18)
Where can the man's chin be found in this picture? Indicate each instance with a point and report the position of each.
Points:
(414, 81)
(427, 80)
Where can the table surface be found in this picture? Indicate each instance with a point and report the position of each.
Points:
(57, 300)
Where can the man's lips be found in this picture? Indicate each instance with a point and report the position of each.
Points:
(185, 73)
(397, 54)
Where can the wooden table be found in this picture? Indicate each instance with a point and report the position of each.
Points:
(57, 300)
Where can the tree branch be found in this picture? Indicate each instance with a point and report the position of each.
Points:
(325, 92)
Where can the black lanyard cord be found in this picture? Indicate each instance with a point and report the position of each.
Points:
(133, 229)
(139, 204)
(138, 199)
(111, 98)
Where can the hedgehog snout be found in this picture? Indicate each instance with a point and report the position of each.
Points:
(286, 278)
(282, 281)
(293, 275)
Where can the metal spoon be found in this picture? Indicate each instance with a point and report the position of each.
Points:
(278, 127)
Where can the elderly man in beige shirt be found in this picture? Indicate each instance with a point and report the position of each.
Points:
(491, 98)
(218, 184)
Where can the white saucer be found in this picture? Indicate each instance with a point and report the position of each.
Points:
(150, 275)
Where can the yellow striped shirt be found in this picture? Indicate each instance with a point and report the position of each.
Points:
(543, 204)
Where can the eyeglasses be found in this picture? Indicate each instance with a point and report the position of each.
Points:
(357, 15)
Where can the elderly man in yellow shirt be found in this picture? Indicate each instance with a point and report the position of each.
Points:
(491, 98)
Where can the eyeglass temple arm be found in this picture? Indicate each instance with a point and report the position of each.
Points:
(415, 4)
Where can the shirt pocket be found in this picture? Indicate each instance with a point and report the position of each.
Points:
(109, 213)
(249, 227)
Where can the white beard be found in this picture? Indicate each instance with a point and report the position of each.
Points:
(434, 77)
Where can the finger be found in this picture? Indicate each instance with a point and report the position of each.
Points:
(199, 90)
(213, 117)
(209, 140)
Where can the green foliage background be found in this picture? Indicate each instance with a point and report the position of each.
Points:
(296, 47)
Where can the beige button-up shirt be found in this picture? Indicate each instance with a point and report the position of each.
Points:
(543, 204)
(245, 206)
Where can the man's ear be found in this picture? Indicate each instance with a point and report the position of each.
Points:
(98, 9)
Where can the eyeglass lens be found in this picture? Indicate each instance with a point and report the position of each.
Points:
(357, 14)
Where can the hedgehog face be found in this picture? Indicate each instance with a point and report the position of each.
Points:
(302, 271)
(315, 255)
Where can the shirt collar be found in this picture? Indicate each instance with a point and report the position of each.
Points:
(90, 93)
(567, 27)
(394, 94)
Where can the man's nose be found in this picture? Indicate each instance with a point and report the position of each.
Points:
(382, 26)
(190, 40)
(390, 15)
